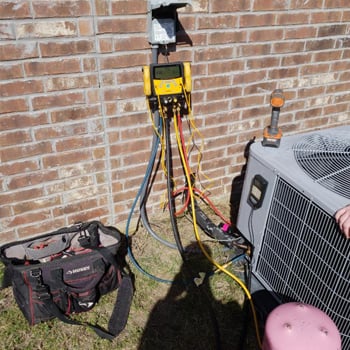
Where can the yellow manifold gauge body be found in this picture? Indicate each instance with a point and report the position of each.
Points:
(168, 86)
(167, 79)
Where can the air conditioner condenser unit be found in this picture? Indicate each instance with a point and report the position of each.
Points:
(289, 199)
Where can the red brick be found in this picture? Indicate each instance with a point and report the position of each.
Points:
(255, 49)
(42, 227)
(126, 45)
(126, 7)
(71, 82)
(269, 5)
(336, 88)
(211, 82)
(85, 27)
(322, 44)
(18, 167)
(247, 101)
(301, 33)
(102, 7)
(122, 25)
(75, 113)
(119, 149)
(229, 6)
(122, 93)
(227, 37)
(213, 54)
(263, 62)
(266, 35)
(9, 51)
(256, 19)
(64, 48)
(326, 17)
(20, 220)
(59, 8)
(250, 77)
(331, 30)
(5, 212)
(22, 121)
(62, 66)
(226, 67)
(76, 207)
(50, 132)
(46, 29)
(312, 69)
(89, 64)
(105, 45)
(11, 71)
(25, 151)
(101, 214)
(20, 196)
(124, 61)
(345, 15)
(129, 76)
(13, 105)
(297, 59)
(14, 9)
(301, 4)
(212, 107)
(54, 160)
(58, 100)
(21, 87)
(285, 19)
(327, 56)
(288, 46)
(228, 21)
(81, 142)
(32, 179)
(7, 31)
(14, 137)
(336, 4)
(223, 93)
(280, 73)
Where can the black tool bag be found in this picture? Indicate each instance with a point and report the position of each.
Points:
(66, 272)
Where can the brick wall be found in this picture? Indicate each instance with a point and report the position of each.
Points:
(75, 134)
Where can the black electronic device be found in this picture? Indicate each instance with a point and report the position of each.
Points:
(257, 191)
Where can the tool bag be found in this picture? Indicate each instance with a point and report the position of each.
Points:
(66, 272)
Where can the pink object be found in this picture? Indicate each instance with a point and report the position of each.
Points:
(225, 227)
(296, 326)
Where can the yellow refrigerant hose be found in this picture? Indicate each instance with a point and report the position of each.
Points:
(207, 255)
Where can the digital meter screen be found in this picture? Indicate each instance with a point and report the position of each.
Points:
(167, 72)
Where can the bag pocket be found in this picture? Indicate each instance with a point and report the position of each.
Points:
(30, 298)
(75, 282)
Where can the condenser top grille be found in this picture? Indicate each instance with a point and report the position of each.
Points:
(326, 159)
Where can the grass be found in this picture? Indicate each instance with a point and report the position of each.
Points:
(177, 315)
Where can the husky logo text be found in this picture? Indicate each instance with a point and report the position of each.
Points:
(79, 269)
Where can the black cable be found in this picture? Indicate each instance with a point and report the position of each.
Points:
(147, 188)
(170, 186)
(246, 310)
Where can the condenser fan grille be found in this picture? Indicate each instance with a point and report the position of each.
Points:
(326, 159)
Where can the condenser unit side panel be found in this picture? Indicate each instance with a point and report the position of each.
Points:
(304, 257)
(251, 221)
